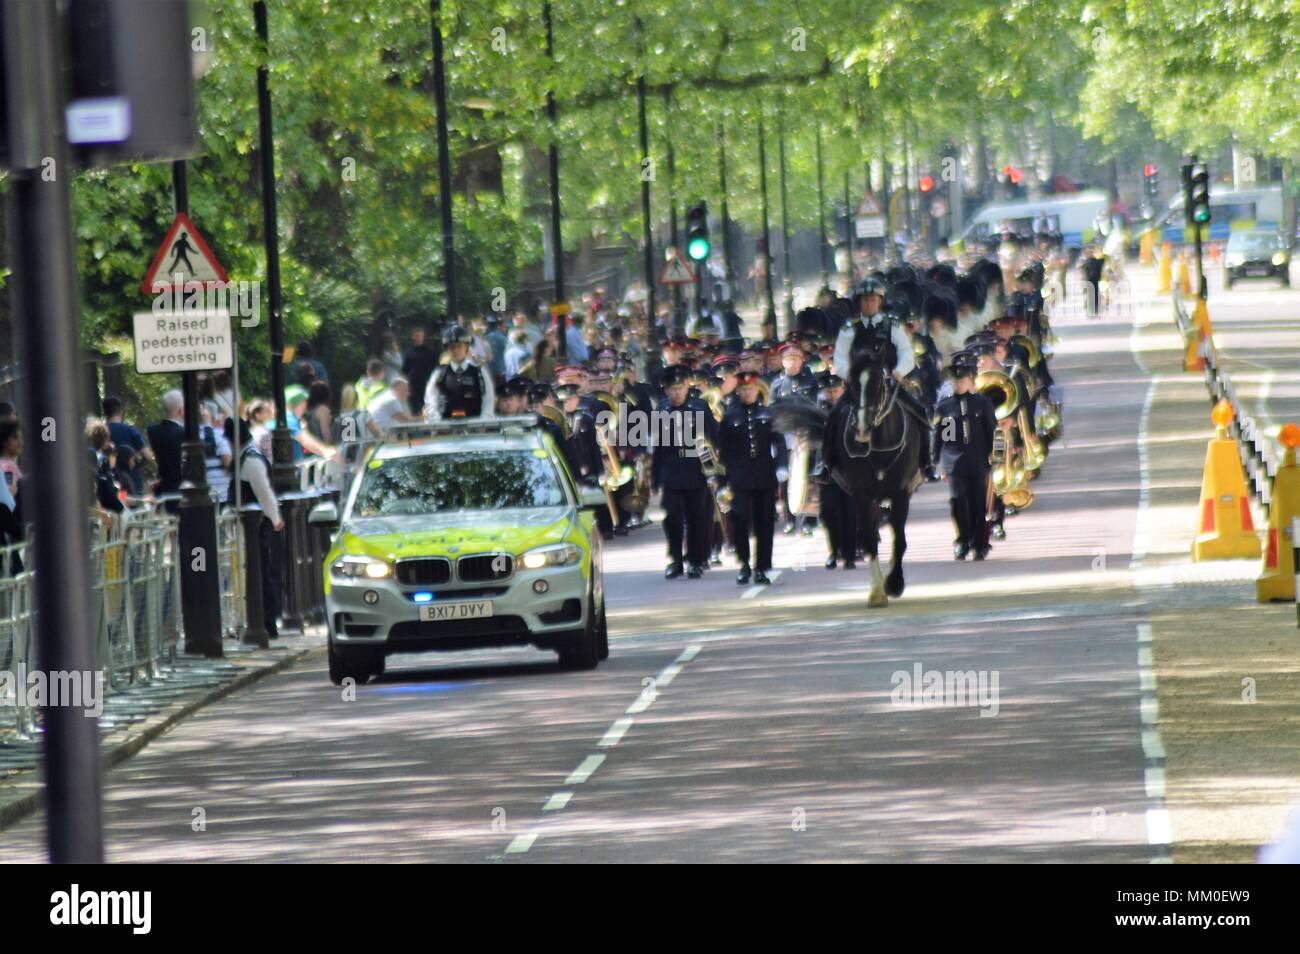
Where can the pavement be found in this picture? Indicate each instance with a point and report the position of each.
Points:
(1104, 721)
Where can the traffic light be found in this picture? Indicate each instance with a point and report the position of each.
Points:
(1199, 193)
(697, 232)
(1151, 181)
(927, 183)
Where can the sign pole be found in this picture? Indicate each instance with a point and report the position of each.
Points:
(197, 531)
(43, 290)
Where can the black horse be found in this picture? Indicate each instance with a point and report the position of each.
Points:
(871, 442)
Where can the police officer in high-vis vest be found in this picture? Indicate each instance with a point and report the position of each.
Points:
(459, 388)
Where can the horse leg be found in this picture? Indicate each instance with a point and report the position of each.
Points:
(898, 522)
(877, 596)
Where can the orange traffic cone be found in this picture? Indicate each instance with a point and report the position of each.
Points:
(1184, 277)
(1227, 531)
(1165, 273)
(1277, 578)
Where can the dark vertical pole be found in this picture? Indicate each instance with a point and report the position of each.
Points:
(444, 163)
(43, 296)
(821, 211)
(283, 474)
(197, 516)
(726, 218)
(769, 317)
(848, 230)
(679, 316)
(562, 323)
(647, 226)
(787, 281)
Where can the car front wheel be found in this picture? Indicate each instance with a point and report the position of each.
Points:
(582, 648)
(356, 664)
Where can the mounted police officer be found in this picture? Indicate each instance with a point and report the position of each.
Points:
(676, 469)
(459, 388)
(963, 441)
(749, 449)
(875, 330)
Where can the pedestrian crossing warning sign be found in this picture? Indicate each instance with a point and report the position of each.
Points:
(182, 259)
(676, 272)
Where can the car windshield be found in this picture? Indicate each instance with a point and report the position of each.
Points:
(438, 483)
(1252, 242)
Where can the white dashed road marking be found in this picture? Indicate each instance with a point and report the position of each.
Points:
(613, 735)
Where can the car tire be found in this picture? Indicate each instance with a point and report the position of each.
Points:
(603, 638)
(1227, 284)
(580, 649)
(358, 665)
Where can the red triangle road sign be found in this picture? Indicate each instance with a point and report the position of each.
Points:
(676, 272)
(183, 258)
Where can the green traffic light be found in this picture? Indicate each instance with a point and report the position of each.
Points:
(698, 249)
(1202, 215)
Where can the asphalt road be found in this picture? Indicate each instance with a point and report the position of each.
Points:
(733, 723)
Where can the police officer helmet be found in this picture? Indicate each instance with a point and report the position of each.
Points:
(455, 334)
(872, 286)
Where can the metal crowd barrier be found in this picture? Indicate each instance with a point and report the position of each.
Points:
(1257, 453)
(136, 605)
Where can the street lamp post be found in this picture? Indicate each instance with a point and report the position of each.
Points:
(444, 162)
(43, 289)
(769, 317)
(787, 283)
(283, 474)
(557, 247)
(647, 233)
(821, 211)
(726, 219)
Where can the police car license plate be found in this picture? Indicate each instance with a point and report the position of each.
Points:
(447, 612)
(1257, 270)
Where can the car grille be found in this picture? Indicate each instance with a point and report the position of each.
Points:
(429, 571)
(485, 567)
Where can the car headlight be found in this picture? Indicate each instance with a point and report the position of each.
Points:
(558, 554)
(354, 567)
(1234, 260)
(1279, 258)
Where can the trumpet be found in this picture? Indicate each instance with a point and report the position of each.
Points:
(712, 469)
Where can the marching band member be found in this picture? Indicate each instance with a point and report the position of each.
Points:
(748, 451)
(795, 381)
(677, 470)
(963, 441)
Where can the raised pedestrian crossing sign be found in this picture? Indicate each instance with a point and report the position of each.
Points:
(183, 259)
(676, 272)
(170, 341)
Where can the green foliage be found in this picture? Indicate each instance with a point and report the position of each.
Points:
(356, 150)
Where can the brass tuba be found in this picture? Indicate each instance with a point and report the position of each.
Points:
(556, 417)
(1010, 477)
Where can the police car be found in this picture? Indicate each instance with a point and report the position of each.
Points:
(463, 535)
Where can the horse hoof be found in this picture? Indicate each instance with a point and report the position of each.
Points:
(894, 585)
(877, 599)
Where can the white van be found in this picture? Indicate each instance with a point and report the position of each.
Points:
(1073, 213)
(1231, 210)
